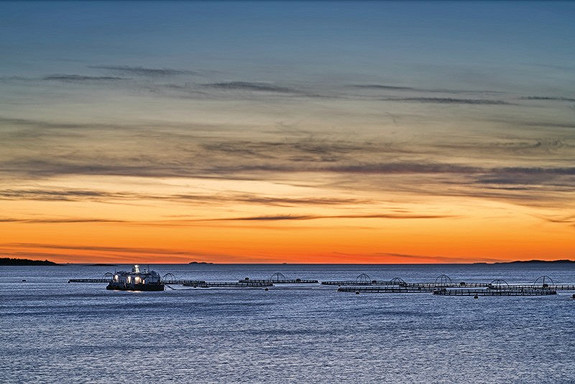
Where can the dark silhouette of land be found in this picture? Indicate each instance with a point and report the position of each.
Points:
(16, 262)
(540, 262)
(532, 262)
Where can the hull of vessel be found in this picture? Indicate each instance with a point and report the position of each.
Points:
(135, 287)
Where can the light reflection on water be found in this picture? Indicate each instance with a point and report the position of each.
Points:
(52, 331)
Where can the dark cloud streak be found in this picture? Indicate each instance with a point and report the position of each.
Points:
(59, 221)
(251, 86)
(384, 87)
(320, 217)
(446, 100)
(548, 98)
(445, 259)
(82, 78)
(144, 71)
(57, 195)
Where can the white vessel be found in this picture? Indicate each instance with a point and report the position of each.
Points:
(136, 280)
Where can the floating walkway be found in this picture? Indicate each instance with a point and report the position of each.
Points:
(442, 281)
(184, 282)
(365, 279)
(288, 281)
(495, 292)
(89, 280)
(562, 287)
(241, 284)
(278, 278)
(358, 283)
(450, 285)
(385, 289)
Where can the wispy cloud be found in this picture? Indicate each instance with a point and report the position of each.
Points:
(57, 195)
(97, 248)
(261, 199)
(90, 253)
(410, 89)
(143, 71)
(447, 100)
(559, 176)
(548, 98)
(250, 86)
(319, 217)
(75, 195)
(59, 221)
(82, 78)
(569, 219)
(405, 168)
(384, 87)
(442, 259)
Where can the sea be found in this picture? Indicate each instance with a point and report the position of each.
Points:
(52, 331)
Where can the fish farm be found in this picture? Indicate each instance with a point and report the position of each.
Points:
(443, 285)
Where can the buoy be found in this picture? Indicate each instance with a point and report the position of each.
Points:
(357, 292)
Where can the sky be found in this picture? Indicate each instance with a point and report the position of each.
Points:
(296, 132)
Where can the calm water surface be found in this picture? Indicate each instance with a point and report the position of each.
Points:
(52, 331)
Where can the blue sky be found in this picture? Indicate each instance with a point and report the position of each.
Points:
(400, 41)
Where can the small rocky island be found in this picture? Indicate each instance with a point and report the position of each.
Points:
(20, 262)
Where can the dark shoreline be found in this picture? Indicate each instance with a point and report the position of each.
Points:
(25, 262)
(535, 262)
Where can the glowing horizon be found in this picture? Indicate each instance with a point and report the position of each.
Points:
(307, 132)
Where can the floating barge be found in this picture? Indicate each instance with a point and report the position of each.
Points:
(136, 280)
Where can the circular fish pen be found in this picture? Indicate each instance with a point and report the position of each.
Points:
(277, 277)
(398, 281)
(498, 284)
(363, 279)
(543, 282)
(443, 281)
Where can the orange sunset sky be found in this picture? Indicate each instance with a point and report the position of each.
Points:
(270, 132)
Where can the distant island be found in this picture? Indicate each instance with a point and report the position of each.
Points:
(539, 262)
(15, 262)
(199, 262)
(531, 262)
